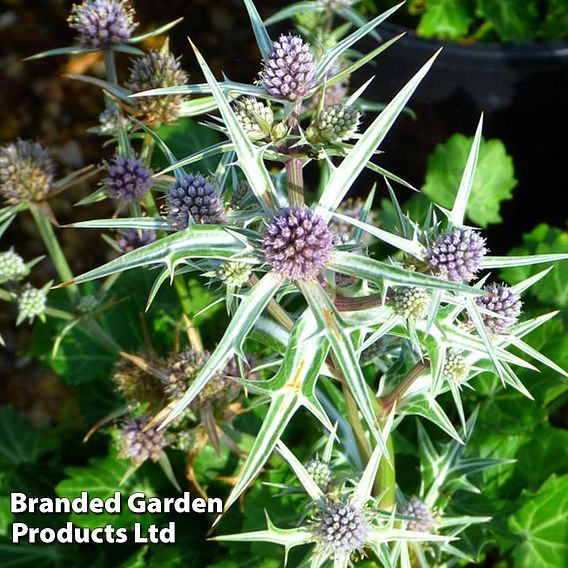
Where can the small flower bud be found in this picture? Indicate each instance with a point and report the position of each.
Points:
(128, 179)
(411, 303)
(111, 121)
(320, 472)
(12, 266)
(255, 117)
(455, 367)
(131, 239)
(289, 70)
(239, 194)
(31, 304)
(26, 172)
(87, 304)
(139, 444)
(423, 519)
(334, 124)
(102, 22)
(504, 302)
(234, 274)
(136, 386)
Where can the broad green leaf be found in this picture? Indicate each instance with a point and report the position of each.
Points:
(493, 180)
(23, 555)
(446, 19)
(555, 25)
(542, 527)
(514, 20)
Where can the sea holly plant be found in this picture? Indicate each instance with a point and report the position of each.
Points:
(325, 310)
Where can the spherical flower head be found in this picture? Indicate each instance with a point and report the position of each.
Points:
(234, 274)
(504, 302)
(139, 444)
(341, 528)
(31, 303)
(240, 193)
(136, 386)
(297, 243)
(193, 199)
(131, 239)
(102, 22)
(289, 70)
(26, 172)
(334, 124)
(111, 121)
(157, 70)
(456, 255)
(411, 303)
(423, 519)
(88, 304)
(320, 472)
(12, 266)
(255, 117)
(127, 179)
(455, 366)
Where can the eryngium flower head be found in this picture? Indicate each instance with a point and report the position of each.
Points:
(138, 444)
(157, 70)
(26, 172)
(334, 123)
(423, 519)
(411, 302)
(193, 199)
(341, 528)
(130, 239)
(297, 243)
(137, 386)
(127, 179)
(289, 71)
(255, 117)
(504, 302)
(111, 121)
(87, 304)
(455, 366)
(240, 193)
(31, 303)
(234, 274)
(320, 472)
(456, 255)
(102, 22)
(12, 266)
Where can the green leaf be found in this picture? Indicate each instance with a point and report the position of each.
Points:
(446, 19)
(6, 516)
(514, 20)
(542, 525)
(552, 289)
(493, 181)
(23, 555)
(555, 25)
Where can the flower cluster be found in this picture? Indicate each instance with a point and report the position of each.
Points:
(422, 516)
(320, 473)
(139, 443)
(12, 266)
(505, 304)
(127, 179)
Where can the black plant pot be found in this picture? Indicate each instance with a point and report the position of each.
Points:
(488, 77)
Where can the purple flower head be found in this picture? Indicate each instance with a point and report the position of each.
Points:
(193, 199)
(156, 70)
(297, 243)
(26, 172)
(102, 22)
(456, 255)
(138, 444)
(422, 516)
(504, 302)
(131, 239)
(289, 71)
(342, 528)
(127, 179)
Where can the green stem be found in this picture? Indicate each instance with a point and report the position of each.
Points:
(294, 165)
(111, 74)
(183, 294)
(385, 482)
(400, 390)
(356, 425)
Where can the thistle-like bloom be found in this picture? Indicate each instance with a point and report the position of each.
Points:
(234, 274)
(423, 519)
(88, 304)
(139, 444)
(193, 199)
(127, 179)
(341, 528)
(411, 302)
(131, 239)
(26, 172)
(297, 243)
(457, 254)
(504, 302)
(333, 124)
(12, 266)
(102, 22)
(289, 71)
(255, 117)
(156, 70)
(455, 366)
(111, 121)
(31, 304)
(320, 472)
(137, 386)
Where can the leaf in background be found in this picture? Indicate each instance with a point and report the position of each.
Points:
(552, 289)
(556, 22)
(446, 19)
(493, 182)
(514, 20)
(6, 516)
(542, 525)
(23, 555)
